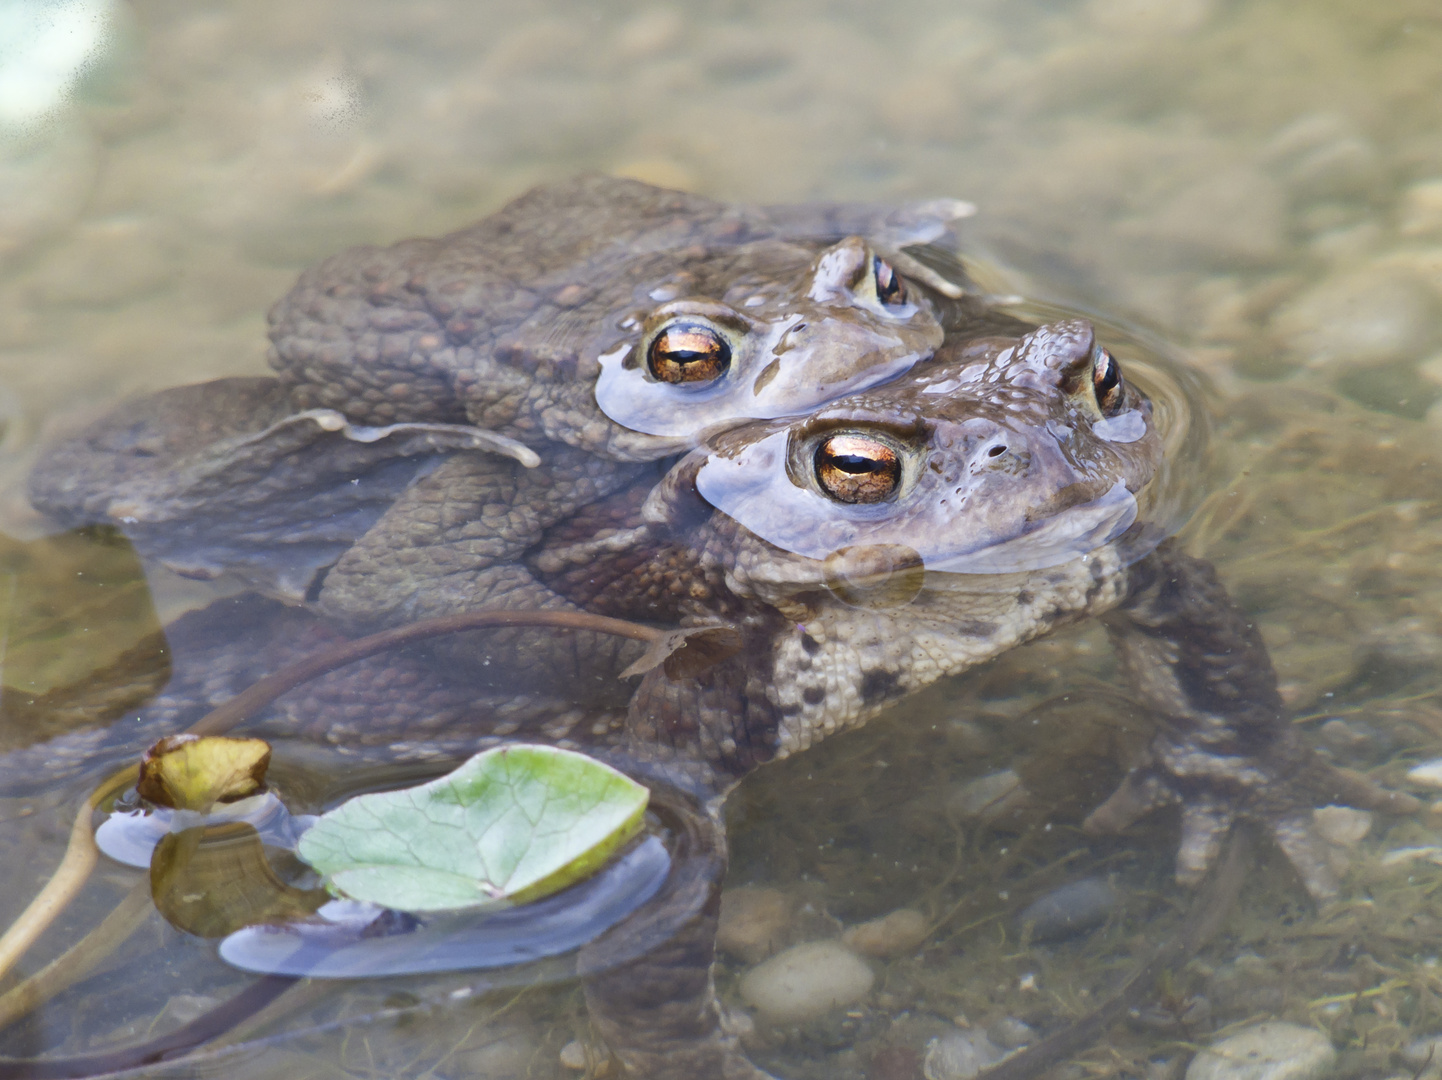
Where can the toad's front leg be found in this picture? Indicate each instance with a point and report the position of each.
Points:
(1226, 748)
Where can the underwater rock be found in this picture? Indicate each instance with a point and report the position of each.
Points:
(1011, 1033)
(1420, 211)
(891, 935)
(755, 922)
(806, 981)
(1341, 825)
(1428, 773)
(573, 1056)
(1073, 909)
(1270, 1051)
(960, 1055)
(1424, 1054)
(986, 797)
(1371, 315)
(1355, 742)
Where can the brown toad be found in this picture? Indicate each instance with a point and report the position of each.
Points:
(584, 330)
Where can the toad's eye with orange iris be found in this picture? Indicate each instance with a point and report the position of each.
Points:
(1106, 380)
(858, 468)
(890, 289)
(687, 353)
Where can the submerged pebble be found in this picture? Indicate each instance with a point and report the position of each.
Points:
(1341, 825)
(573, 1056)
(1420, 212)
(891, 935)
(754, 923)
(1355, 741)
(1369, 316)
(960, 1055)
(985, 797)
(1270, 1051)
(1011, 1033)
(1403, 856)
(806, 981)
(1070, 910)
(1424, 1053)
(1428, 773)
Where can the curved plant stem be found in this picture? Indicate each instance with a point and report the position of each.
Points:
(200, 1030)
(265, 691)
(80, 858)
(80, 959)
(81, 854)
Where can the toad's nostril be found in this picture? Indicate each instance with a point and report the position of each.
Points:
(996, 451)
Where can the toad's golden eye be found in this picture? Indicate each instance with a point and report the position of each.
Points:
(687, 352)
(1106, 380)
(858, 468)
(890, 289)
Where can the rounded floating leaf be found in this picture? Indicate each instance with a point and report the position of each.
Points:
(512, 824)
(194, 772)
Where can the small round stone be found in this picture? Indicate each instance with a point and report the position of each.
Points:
(1424, 1052)
(1420, 211)
(806, 981)
(573, 1056)
(959, 1055)
(1372, 315)
(1428, 773)
(984, 797)
(1073, 909)
(1011, 1033)
(755, 922)
(891, 935)
(1341, 825)
(1270, 1051)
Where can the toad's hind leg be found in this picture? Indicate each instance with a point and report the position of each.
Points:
(453, 542)
(1226, 748)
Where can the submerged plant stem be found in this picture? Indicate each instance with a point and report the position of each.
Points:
(80, 959)
(70, 876)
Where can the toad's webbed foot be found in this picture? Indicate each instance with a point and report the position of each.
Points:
(1277, 790)
(1226, 750)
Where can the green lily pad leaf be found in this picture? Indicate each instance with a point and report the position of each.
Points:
(511, 825)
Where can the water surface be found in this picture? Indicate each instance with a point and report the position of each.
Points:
(1259, 183)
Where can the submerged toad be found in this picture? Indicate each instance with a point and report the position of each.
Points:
(886, 540)
(586, 328)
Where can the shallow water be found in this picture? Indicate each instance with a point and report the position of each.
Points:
(1259, 183)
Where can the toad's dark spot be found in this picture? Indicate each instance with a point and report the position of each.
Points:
(878, 684)
(810, 644)
(813, 695)
(978, 628)
(1024, 598)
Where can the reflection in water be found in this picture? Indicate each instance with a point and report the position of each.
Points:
(80, 643)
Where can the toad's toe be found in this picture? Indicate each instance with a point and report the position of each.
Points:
(1295, 836)
(1205, 824)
